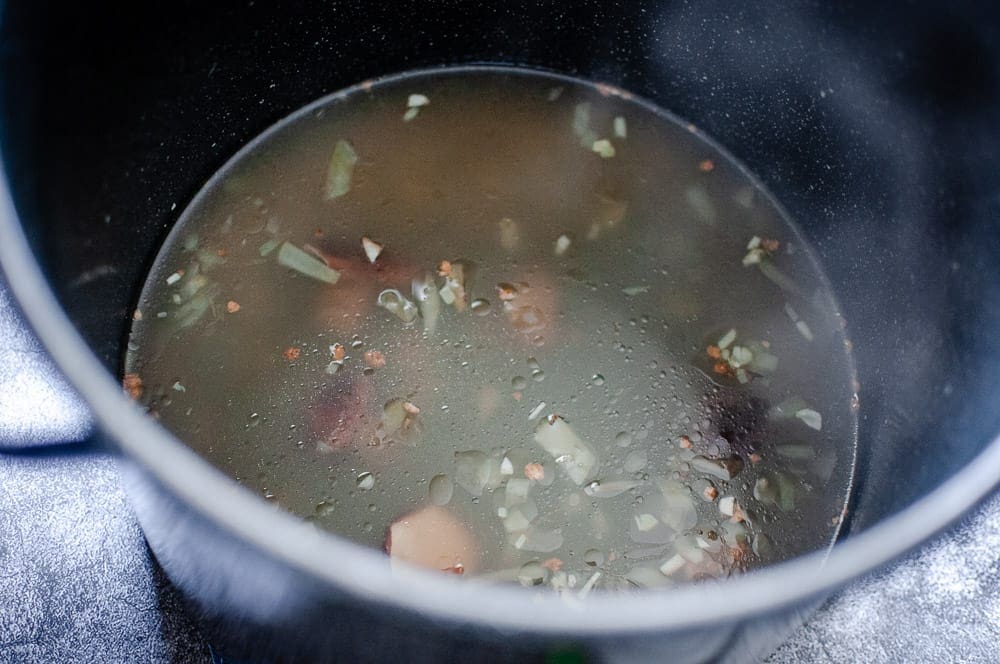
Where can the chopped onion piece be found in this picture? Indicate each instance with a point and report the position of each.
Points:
(536, 411)
(621, 129)
(394, 302)
(725, 469)
(506, 467)
(516, 491)
(779, 278)
(803, 328)
(268, 247)
(562, 244)
(787, 408)
(589, 585)
(604, 148)
(340, 170)
(371, 247)
(740, 356)
(581, 124)
(727, 339)
(673, 564)
(575, 456)
(810, 418)
(646, 522)
(296, 259)
(727, 505)
(417, 100)
(753, 243)
(520, 518)
(174, 278)
(632, 291)
(539, 540)
(425, 292)
(447, 295)
(700, 202)
(411, 113)
(677, 508)
(472, 471)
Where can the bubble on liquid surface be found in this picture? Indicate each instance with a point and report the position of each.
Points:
(623, 439)
(480, 306)
(440, 489)
(532, 574)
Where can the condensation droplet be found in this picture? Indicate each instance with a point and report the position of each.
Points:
(623, 439)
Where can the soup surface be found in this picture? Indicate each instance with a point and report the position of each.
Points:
(509, 325)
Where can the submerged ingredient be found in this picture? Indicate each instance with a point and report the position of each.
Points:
(509, 326)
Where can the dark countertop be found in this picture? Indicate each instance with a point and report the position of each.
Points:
(77, 583)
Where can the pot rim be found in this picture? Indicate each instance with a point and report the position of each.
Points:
(368, 577)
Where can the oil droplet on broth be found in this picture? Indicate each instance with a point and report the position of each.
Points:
(451, 352)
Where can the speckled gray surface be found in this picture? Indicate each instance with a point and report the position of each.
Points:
(77, 583)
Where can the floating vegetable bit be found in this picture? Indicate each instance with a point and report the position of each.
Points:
(621, 129)
(575, 456)
(413, 105)
(292, 353)
(454, 291)
(759, 253)
(632, 291)
(394, 302)
(425, 292)
(374, 359)
(610, 212)
(562, 244)
(269, 246)
(371, 247)
(581, 125)
(800, 325)
(701, 203)
(740, 361)
(472, 471)
(706, 165)
(232, 306)
(302, 262)
(340, 171)
(510, 236)
(175, 277)
(797, 407)
(604, 148)
(729, 507)
(810, 418)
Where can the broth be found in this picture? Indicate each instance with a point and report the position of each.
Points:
(511, 325)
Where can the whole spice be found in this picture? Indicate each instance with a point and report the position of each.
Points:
(132, 383)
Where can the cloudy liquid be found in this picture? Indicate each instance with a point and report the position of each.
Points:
(589, 348)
